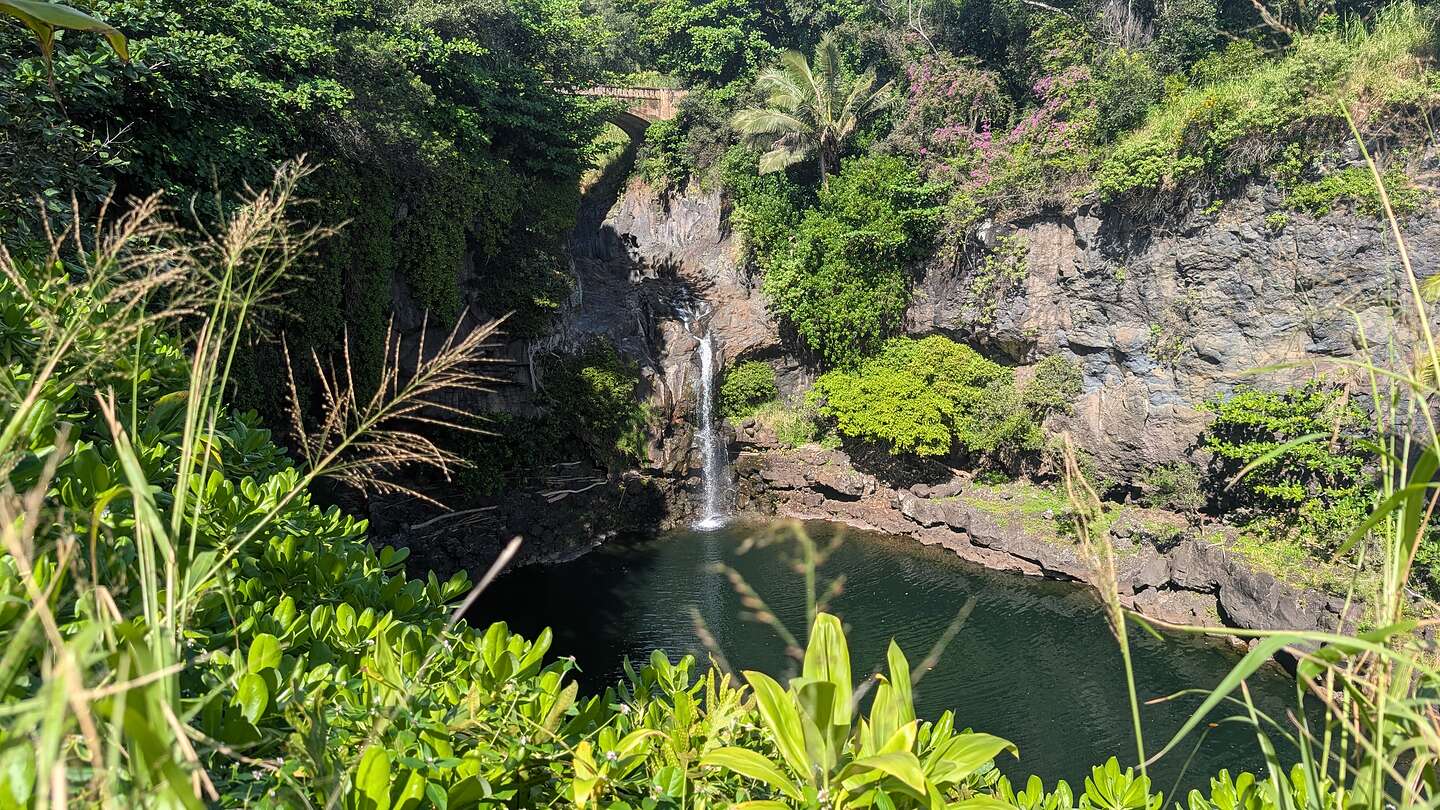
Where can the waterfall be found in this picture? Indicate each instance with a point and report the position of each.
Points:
(714, 475)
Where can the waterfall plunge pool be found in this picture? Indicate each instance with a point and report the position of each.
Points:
(1034, 662)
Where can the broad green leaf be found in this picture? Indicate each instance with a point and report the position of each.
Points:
(979, 803)
(748, 763)
(827, 658)
(44, 18)
(264, 653)
(966, 754)
(824, 736)
(900, 764)
(777, 709)
(563, 702)
(900, 682)
(253, 696)
(413, 791)
(372, 778)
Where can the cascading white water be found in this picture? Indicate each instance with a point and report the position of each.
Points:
(714, 475)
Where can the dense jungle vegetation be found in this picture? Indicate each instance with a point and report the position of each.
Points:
(183, 623)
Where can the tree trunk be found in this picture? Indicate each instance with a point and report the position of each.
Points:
(824, 168)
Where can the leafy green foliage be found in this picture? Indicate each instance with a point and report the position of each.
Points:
(1175, 486)
(1320, 486)
(827, 750)
(928, 397)
(1208, 132)
(840, 279)
(714, 40)
(591, 397)
(690, 145)
(1354, 186)
(439, 127)
(746, 387)
(1054, 385)
(809, 108)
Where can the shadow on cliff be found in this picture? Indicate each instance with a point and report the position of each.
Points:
(591, 239)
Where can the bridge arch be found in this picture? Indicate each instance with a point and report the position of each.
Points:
(643, 105)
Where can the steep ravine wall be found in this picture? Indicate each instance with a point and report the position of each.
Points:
(1160, 317)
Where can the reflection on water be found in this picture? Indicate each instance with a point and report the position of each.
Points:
(1034, 662)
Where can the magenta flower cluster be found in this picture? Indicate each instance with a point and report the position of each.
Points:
(964, 146)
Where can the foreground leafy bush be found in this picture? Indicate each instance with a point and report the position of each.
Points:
(929, 397)
(746, 387)
(1320, 487)
(840, 279)
(832, 757)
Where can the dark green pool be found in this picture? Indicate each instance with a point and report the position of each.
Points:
(1034, 662)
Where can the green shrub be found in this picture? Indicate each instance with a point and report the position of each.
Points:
(1185, 30)
(767, 207)
(690, 145)
(1053, 388)
(1126, 85)
(591, 397)
(1175, 486)
(746, 387)
(795, 427)
(1322, 487)
(1354, 186)
(1219, 131)
(840, 278)
(928, 397)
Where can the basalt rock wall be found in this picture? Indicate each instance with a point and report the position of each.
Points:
(1160, 317)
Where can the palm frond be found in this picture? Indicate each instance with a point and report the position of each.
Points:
(782, 88)
(760, 123)
(797, 66)
(827, 76)
(782, 157)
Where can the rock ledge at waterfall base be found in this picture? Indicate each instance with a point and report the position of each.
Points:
(1166, 569)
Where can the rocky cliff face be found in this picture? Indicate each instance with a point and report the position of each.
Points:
(1160, 318)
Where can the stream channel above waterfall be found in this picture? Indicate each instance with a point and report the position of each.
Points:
(1034, 662)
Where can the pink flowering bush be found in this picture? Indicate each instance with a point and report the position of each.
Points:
(999, 164)
(946, 95)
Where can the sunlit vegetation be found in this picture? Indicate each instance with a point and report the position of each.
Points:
(186, 622)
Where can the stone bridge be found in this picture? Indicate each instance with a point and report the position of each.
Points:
(643, 105)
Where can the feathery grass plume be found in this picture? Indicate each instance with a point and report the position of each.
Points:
(110, 552)
(365, 441)
(1086, 512)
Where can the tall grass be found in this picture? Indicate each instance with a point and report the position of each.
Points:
(113, 549)
(1216, 132)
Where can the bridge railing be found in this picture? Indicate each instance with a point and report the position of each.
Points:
(650, 103)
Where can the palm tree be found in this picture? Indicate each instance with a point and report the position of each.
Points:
(808, 109)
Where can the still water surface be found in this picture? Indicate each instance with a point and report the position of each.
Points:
(1034, 662)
